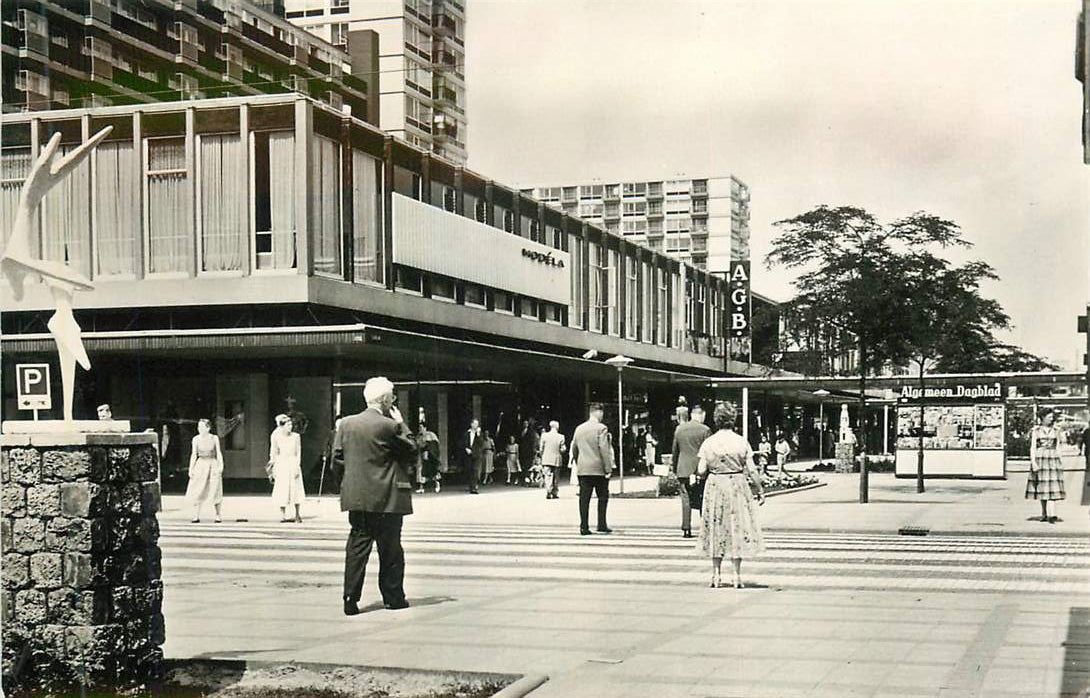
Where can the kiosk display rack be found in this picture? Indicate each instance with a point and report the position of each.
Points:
(963, 432)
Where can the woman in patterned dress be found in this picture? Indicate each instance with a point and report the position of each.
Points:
(728, 526)
(1046, 474)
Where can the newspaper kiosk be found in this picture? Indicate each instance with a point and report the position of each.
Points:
(963, 430)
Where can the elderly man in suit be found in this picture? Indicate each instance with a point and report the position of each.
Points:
(474, 448)
(374, 450)
(592, 460)
(688, 436)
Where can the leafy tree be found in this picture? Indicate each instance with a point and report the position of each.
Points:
(852, 277)
(990, 355)
(944, 313)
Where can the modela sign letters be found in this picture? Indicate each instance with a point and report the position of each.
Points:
(544, 258)
(957, 392)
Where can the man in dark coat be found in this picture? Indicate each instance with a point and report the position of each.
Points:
(374, 450)
(688, 436)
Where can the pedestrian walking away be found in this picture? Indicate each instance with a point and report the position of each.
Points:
(427, 445)
(592, 459)
(372, 452)
(783, 450)
(764, 453)
(513, 467)
(688, 437)
(650, 451)
(729, 526)
(287, 474)
(1046, 474)
(552, 449)
(489, 450)
(205, 471)
(474, 455)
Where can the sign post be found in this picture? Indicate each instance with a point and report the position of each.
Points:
(33, 387)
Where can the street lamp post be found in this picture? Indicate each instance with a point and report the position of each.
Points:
(620, 361)
(821, 394)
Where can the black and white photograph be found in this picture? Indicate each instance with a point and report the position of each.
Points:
(545, 348)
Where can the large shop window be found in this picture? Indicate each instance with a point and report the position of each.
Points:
(599, 287)
(117, 212)
(615, 281)
(662, 307)
(325, 191)
(647, 287)
(66, 219)
(168, 207)
(14, 167)
(274, 199)
(222, 203)
(367, 221)
(578, 287)
(631, 299)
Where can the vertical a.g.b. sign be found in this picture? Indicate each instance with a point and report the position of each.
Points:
(739, 320)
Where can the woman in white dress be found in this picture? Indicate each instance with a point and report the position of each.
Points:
(287, 475)
(728, 518)
(205, 471)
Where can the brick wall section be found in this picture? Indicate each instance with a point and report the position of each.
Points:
(81, 596)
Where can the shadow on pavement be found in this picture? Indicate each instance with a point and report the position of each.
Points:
(1076, 670)
(413, 603)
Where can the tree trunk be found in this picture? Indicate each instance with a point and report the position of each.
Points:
(919, 452)
(864, 480)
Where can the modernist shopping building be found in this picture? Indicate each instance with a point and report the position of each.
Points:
(258, 255)
(701, 221)
(421, 59)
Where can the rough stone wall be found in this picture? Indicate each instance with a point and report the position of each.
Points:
(81, 595)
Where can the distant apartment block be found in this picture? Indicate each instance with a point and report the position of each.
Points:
(421, 63)
(99, 53)
(704, 222)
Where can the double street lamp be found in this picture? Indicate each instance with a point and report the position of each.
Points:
(620, 361)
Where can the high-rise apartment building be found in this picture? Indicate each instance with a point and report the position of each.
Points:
(704, 222)
(421, 63)
(94, 53)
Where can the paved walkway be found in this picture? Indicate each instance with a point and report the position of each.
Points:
(501, 582)
(947, 506)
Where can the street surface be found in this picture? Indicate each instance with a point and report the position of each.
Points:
(988, 604)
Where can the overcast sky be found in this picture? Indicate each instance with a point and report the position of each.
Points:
(967, 110)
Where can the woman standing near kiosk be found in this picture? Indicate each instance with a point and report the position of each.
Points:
(1046, 475)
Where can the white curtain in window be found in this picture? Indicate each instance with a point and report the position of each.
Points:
(282, 198)
(366, 223)
(66, 219)
(14, 167)
(326, 197)
(223, 203)
(170, 217)
(117, 211)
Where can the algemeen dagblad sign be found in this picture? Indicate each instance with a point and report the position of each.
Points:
(980, 391)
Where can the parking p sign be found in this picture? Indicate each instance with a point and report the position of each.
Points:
(33, 387)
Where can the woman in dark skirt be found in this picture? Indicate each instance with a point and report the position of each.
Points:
(1046, 473)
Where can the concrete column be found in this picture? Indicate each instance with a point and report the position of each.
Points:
(885, 429)
(745, 413)
(442, 428)
(477, 400)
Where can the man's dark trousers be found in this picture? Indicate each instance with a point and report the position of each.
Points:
(599, 485)
(383, 530)
(685, 494)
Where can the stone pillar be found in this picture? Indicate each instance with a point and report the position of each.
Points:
(82, 597)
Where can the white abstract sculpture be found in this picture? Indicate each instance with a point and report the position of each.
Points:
(18, 266)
